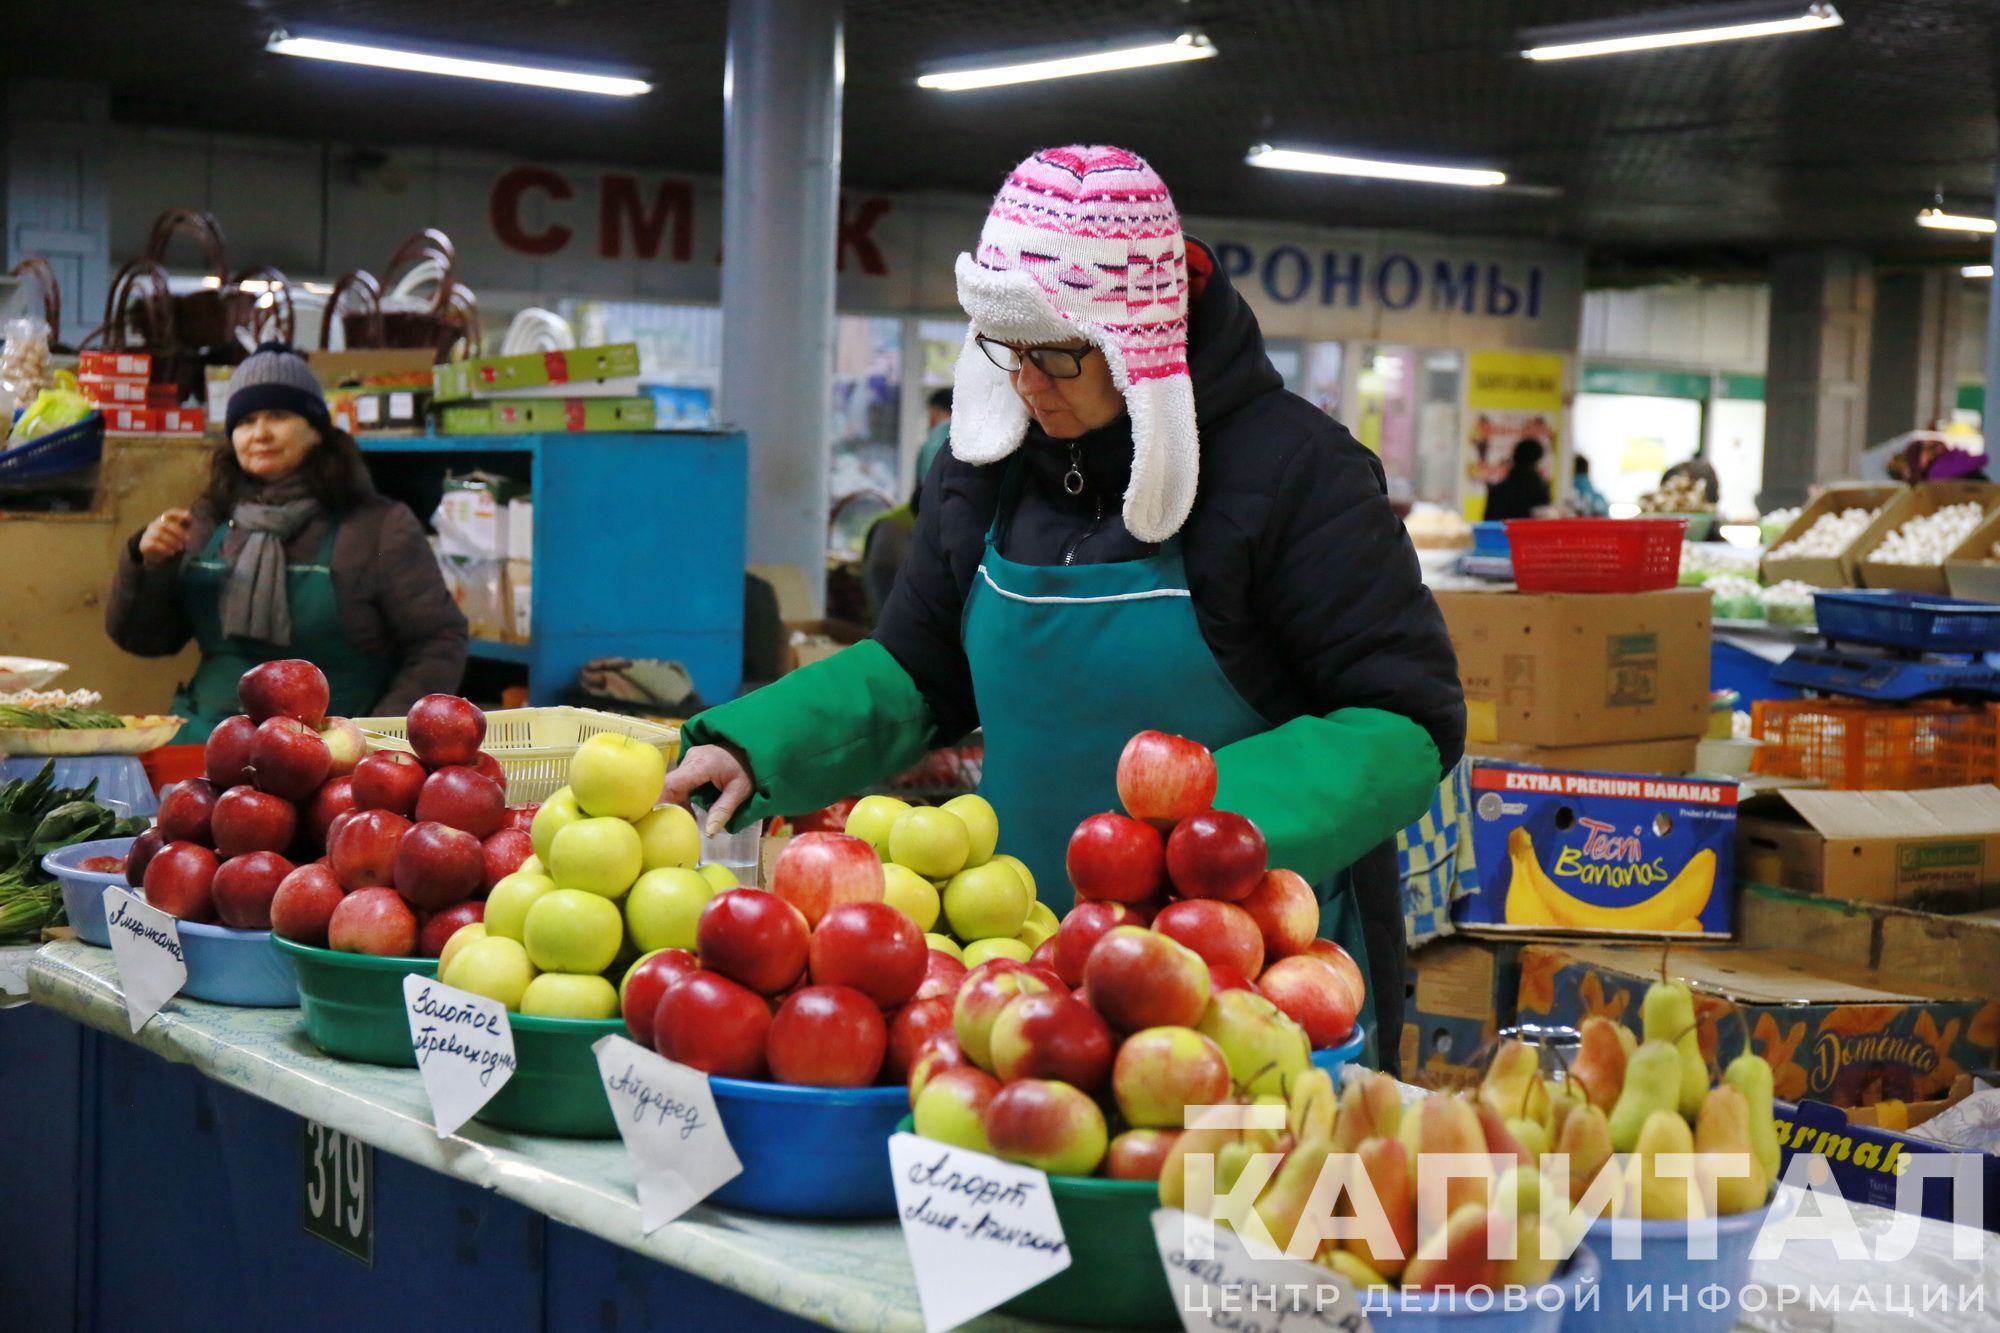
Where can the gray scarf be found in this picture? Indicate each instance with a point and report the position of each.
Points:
(254, 602)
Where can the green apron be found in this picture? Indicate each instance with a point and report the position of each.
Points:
(1068, 662)
(355, 680)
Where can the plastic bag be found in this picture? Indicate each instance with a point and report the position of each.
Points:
(53, 409)
(24, 359)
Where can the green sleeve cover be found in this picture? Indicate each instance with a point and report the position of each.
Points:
(821, 732)
(1324, 790)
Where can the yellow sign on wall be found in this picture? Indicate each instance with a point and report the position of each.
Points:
(1510, 397)
(1516, 381)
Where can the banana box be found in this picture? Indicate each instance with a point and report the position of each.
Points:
(1621, 854)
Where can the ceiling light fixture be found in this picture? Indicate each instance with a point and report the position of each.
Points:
(1334, 164)
(1976, 271)
(422, 62)
(1939, 220)
(1678, 27)
(1187, 46)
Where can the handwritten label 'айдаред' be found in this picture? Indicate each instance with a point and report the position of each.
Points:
(666, 1114)
(464, 1048)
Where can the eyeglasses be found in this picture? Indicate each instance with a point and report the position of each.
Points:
(1058, 363)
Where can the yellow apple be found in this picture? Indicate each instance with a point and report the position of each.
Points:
(945, 944)
(464, 935)
(558, 812)
(985, 951)
(617, 776)
(1021, 869)
(669, 837)
(910, 893)
(573, 930)
(665, 906)
(507, 906)
(982, 826)
(600, 856)
(496, 967)
(986, 901)
(570, 995)
(931, 841)
(871, 819)
(1039, 926)
(721, 876)
(532, 866)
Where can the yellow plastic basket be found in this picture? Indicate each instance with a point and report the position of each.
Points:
(533, 745)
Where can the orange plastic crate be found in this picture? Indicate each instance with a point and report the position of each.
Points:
(1875, 747)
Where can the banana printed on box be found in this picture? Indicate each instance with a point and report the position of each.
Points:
(1603, 853)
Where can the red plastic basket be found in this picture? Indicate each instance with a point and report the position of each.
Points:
(1596, 554)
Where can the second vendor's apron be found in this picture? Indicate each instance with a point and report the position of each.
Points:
(355, 680)
(1068, 663)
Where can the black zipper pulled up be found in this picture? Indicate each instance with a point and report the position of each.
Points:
(1076, 487)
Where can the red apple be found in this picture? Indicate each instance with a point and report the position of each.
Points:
(290, 687)
(1051, 1035)
(1161, 1072)
(950, 1105)
(488, 767)
(444, 730)
(1044, 955)
(248, 820)
(463, 798)
(1085, 925)
(1163, 779)
(942, 973)
(754, 938)
(437, 865)
(363, 850)
(1116, 858)
(911, 1028)
(819, 871)
(1315, 995)
(1047, 1125)
(180, 880)
(373, 921)
(186, 809)
(872, 947)
(520, 817)
(143, 849)
(504, 852)
(649, 978)
(288, 759)
(1138, 1154)
(827, 1037)
(1286, 911)
(1048, 976)
(1222, 977)
(303, 905)
(439, 927)
(1216, 854)
(333, 827)
(388, 780)
(1140, 979)
(1342, 962)
(1220, 932)
(226, 757)
(244, 886)
(830, 819)
(939, 1054)
(986, 990)
(345, 745)
(335, 798)
(708, 1022)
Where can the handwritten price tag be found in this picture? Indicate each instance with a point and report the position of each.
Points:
(146, 942)
(1218, 1285)
(979, 1230)
(666, 1115)
(465, 1049)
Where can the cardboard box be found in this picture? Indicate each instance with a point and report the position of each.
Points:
(517, 592)
(1579, 669)
(115, 365)
(1916, 503)
(366, 411)
(1600, 853)
(527, 416)
(1829, 571)
(1840, 1034)
(1670, 758)
(1936, 850)
(816, 640)
(496, 376)
(1961, 952)
(789, 586)
(1459, 994)
(407, 366)
(521, 528)
(154, 420)
(101, 391)
(1865, 1160)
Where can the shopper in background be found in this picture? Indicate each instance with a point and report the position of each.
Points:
(1586, 499)
(289, 552)
(1136, 527)
(939, 410)
(1701, 470)
(1523, 490)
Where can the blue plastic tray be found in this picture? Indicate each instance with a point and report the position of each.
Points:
(1490, 539)
(83, 890)
(1664, 1263)
(1919, 622)
(1444, 1311)
(59, 451)
(809, 1152)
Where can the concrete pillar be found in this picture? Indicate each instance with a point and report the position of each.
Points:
(1987, 416)
(780, 211)
(54, 194)
(1816, 380)
(1913, 351)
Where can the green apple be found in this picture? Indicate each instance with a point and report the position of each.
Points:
(464, 935)
(721, 876)
(558, 812)
(1039, 926)
(573, 930)
(985, 951)
(669, 837)
(910, 893)
(507, 906)
(532, 866)
(931, 841)
(496, 967)
(1265, 1049)
(982, 826)
(986, 901)
(944, 944)
(617, 776)
(600, 856)
(568, 995)
(1021, 869)
(665, 906)
(871, 819)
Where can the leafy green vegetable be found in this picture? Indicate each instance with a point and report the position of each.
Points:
(13, 716)
(37, 817)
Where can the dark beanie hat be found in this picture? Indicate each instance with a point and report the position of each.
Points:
(275, 378)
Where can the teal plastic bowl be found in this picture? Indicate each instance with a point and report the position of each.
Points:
(83, 890)
(556, 1087)
(1333, 1059)
(353, 1002)
(1664, 1264)
(809, 1152)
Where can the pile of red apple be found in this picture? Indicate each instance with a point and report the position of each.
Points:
(297, 829)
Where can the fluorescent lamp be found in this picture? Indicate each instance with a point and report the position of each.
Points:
(1188, 46)
(1333, 164)
(1693, 27)
(1940, 220)
(420, 62)
(1976, 271)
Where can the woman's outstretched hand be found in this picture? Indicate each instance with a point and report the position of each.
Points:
(711, 765)
(165, 537)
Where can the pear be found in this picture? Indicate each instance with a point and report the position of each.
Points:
(1283, 1201)
(1586, 1141)
(1662, 1197)
(1563, 1099)
(1513, 1083)
(1370, 1108)
(1724, 1127)
(1652, 1083)
(1531, 1135)
(1750, 1074)
(1517, 1198)
(1386, 1163)
(1350, 1266)
(1449, 1125)
(1599, 1068)
(1627, 1039)
(1456, 1255)
(1667, 1013)
(1195, 1141)
(1310, 1105)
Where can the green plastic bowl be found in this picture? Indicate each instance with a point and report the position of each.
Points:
(556, 1087)
(353, 1002)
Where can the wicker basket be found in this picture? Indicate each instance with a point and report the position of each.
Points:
(533, 745)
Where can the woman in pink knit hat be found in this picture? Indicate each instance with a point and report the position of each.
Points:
(1135, 527)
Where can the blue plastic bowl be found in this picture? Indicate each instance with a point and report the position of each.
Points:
(1462, 1310)
(83, 890)
(1333, 1059)
(809, 1152)
(240, 967)
(1663, 1263)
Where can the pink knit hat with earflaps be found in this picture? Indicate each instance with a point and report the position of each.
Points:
(1084, 242)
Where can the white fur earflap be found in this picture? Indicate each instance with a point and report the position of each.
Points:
(988, 419)
(1166, 450)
